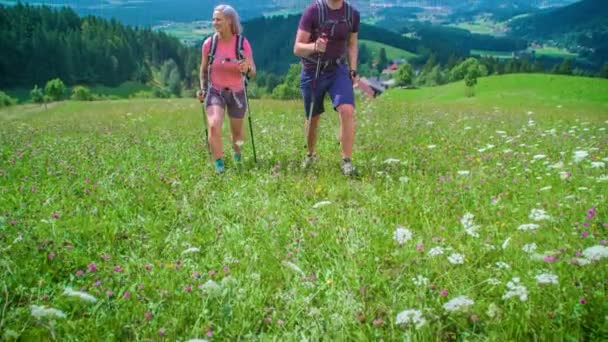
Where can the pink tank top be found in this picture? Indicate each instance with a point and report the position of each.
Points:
(224, 70)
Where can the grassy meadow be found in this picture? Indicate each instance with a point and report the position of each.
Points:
(391, 52)
(473, 218)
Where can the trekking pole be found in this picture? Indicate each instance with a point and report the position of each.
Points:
(255, 159)
(312, 100)
(206, 130)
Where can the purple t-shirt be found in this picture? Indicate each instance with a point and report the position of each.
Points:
(336, 42)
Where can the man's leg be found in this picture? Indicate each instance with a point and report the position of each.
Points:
(313, 95)
(347, 129)
(311, 139)
(343, 100)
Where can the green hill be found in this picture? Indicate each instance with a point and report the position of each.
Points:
(391, 52)
(580, 16)
(513, 90)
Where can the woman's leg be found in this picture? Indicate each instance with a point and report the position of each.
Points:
(215, 118)
(236, 132)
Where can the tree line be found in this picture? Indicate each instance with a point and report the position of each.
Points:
(40, 43)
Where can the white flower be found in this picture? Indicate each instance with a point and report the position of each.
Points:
(539, 156)
(596, 252)
(197, 340)
(404, 179)
(538, 215)
(321, 204)
(580, 155)
(557, 165)
(493, 281)
(501, 132)
(460, 303)
(211, 288)
(420, 281)
(402, 235)
(41, 311)
(602, 178)
(529, 248)
(228, 281)
(430, 147)
(506, 242)
(191, 250)
(255, 276)
(546, 188)
(563, 175)
(79, 294)
(547, 278)
(411, 316)
(516, 289)
(463, 172)
(293, 267)
(528, 226)
(481, 150)
(503, 265)
(391, 161)
(435, 251)
(493, 310)
(469, 225)
(456, 258)
(581, 261)
(598, 165)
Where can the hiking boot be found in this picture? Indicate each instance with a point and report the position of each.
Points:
(309, 160)
(237, 158)
(219, 166)
(347, 167)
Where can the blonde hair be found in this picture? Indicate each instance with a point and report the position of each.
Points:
(231, 13)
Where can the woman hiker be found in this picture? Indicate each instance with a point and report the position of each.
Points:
(226, 59)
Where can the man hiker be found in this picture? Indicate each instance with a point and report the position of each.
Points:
(326, 41)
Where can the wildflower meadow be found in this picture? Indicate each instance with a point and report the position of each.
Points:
(473, 218)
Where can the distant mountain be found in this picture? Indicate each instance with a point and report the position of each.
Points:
(586, 15)
(581, 27)
(153, 12)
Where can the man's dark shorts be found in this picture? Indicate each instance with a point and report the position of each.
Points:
(336, 82)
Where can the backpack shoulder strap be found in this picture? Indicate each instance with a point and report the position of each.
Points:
(348, 15)
(322, 12)
(240, 53)
(213, 48)
(211, 57)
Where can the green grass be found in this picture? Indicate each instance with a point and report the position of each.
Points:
(545, 51)
(490, 53)
(124, 90)
(87, 187)
(187, 32)
(391, 52)
(482, 26)
(512, 90)
(554, 52)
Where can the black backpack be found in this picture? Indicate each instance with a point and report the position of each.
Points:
(239, 48)
(211, 56)
(322, 9)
